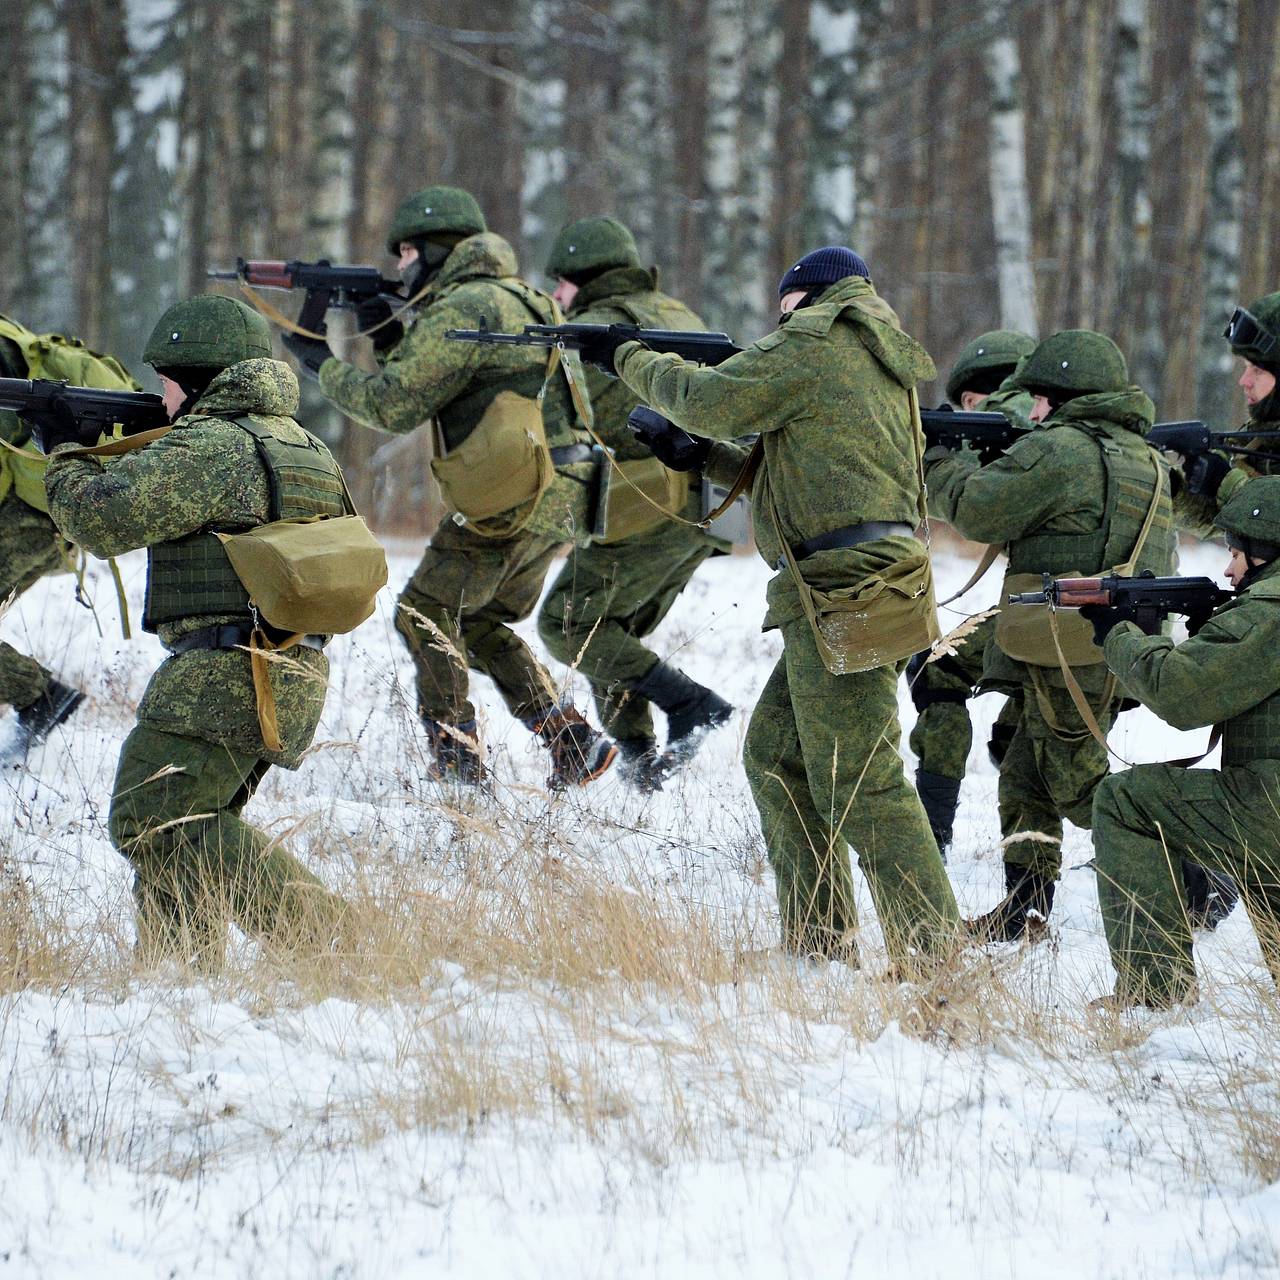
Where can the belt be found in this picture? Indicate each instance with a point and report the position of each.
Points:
(567, 454)
(228, 637)
(851, 536)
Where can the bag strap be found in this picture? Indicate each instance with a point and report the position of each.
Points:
(1187, 761)
(989, 557)
(259, 647)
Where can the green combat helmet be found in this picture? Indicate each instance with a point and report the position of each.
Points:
(208, 332)
(591, 245)
(435, 210)
(1254, 333)
(989, 359)
(1250, 518)
(1075, 362)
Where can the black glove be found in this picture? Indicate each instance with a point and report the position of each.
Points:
(310, 353)
(600, 350)
(1204, 473)
(52, 425)
(1105, 619)
(672, 446)
(375, 313)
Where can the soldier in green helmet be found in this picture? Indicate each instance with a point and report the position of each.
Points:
(511, 463)
(1147, 817)
(1082, 494)
(613, 593)
(30, 545)
(235, 458)
(941, 689)
(1209, 480)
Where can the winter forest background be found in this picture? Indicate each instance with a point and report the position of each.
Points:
(1042, 164)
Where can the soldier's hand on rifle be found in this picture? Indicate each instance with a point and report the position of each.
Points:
(600, 349)
(310, 353)
(1204, 473)
(373, 318)
(1106, 618)
(51, 425)
(672, 446)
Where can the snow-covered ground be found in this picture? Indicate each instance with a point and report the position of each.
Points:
(545, 1100)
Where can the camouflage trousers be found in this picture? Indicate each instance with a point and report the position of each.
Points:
(1050, 772)
(1145, 821)
(821, 755)
(942, 736)
(466, 593)
(607, 598)
(175, 815)
(29, 551)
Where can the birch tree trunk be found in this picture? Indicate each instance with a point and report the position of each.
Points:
(833, 33)
(1007, 169)
(1216, 48)
(689, 111)
(791, 139)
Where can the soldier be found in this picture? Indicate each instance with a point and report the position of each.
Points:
(197, 754)
(1210, 479)
(484, 570)
(940, 689)
(30, 547)
(836, 498)
(1084, 494)
(1225, 675)
(609, 595)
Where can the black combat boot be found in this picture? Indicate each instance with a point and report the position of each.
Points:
(940, 797)
(457, 754)
(1211, 896)
(54, 706)
(1024, 910)
(579, 753)
(641, 765)
(692, 710)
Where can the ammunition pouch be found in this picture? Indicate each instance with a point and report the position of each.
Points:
(1025, 632)
(495, 477)
(635, 497)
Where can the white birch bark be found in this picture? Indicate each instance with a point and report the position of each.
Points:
(1006, 156)
(833, 28)
(1218, 78)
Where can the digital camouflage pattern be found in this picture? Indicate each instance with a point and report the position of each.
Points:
(1071, 363)
(208, 332)
(1051, 486)
(30, 545)
(943, 732)
(997, 349)
(607, 598)
(434, 210)
(828, 392)
(1149, 817)
(468, 586)
(589, 244)
(199, 712)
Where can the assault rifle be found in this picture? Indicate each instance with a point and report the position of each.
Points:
(990, 434)
(701, 348)
(62, 414)
(1151, 599)
(1189, 438)
(328, 287)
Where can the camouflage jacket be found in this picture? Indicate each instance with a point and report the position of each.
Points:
(427, 376)
(205, 474)
(1052, 481)
(828, 394)
(1225, 675)
(1195, 513)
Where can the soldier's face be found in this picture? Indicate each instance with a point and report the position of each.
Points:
(408, 256)
(1256, 383)
(172, 395)
(1237, 567)
(970, 400)
(1041, 409)
(565, 293)
(790, 301)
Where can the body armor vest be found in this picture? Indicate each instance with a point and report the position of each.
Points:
(1254, 734)
(1131, 469)
(192, 577)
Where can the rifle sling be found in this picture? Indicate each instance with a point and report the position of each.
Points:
(989, 557)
